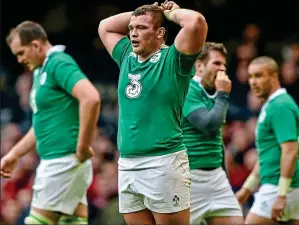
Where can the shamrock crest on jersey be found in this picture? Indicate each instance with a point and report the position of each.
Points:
(133, 90)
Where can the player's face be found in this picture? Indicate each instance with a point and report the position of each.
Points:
(260, 80)
(144, 37)
(215, 62)
(28, 55)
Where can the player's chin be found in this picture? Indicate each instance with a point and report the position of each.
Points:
(257, 93)
(31, 67)
(137, 50)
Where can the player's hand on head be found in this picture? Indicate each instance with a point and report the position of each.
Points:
(222, 82)
(167, 6)
(8, 164)
(84, 154)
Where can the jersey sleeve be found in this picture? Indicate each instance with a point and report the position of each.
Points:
(184, 64)
(121, 49)
(67, 73)
(284, 125)
(193, 101)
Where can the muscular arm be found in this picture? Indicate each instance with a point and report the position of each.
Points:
(114, 28)
(25, 145)
(210, 121)
(256, 170)
(89, 100)
(192, 36)
(288, 158)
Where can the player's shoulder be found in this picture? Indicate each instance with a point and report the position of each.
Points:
(283, 102)
(61, 56)
(195, 88)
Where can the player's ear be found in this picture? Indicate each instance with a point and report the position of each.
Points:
(161, 32)
(36, 45)
(198, 66)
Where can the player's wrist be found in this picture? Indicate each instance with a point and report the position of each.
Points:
(15, 154)
(81, 147)
(223, 93)
(251, 183)
(169, 14)
(284, 186)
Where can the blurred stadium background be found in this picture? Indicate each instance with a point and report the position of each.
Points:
(249, 28)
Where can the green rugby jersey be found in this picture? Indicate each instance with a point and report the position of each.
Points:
(151, 96)
(278, 122)
(204, 151)
(55, 110)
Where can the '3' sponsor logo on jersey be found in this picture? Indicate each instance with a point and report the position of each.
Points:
(133, 90)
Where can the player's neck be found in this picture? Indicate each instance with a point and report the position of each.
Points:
(45, 49)
(154, 51)
(273, 90)
(209, 90)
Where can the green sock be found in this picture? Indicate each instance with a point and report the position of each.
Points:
(37, 218)
(66, 220)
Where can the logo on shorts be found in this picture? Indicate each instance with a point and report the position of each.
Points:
(175, 200)
(264, 206)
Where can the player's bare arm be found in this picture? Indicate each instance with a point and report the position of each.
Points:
(192, 36)
(289, 152)
(250, 185)
(114, 28)
(89, 100)
(25, 145)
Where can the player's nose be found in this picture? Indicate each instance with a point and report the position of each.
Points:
(20, 59)
(222, 68)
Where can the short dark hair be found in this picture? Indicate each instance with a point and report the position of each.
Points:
(268, 61)
(211, 46)
(155, 11)
(27, 31)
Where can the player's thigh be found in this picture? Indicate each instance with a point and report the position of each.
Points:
(166, 187)
(60, 184)
(223, 202)
(252, 218)
(200, 199)
(177, 218)
(81, 211)
(42, 216)
(141, 217)
(229, 220)
(130, 201)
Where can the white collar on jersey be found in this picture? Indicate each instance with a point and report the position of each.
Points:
(141, 61)
(198, 80)
(274, 95)
(56, 48)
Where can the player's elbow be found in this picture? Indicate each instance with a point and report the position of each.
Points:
(94, 98)
(197, 23)
(91, 98)
(102, 28)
